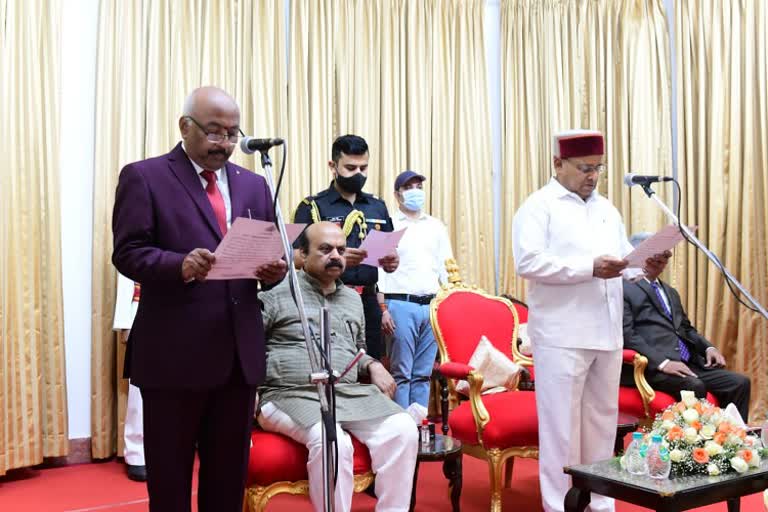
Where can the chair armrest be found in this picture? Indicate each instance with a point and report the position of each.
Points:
(480, 413)
(629, 356)
(640, 363)
(453, 370)
(461, 371)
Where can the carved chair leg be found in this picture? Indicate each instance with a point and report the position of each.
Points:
(508, 465)
(443, 402)
(495, 469)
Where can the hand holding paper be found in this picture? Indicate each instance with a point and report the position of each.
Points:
(248, 246)
(664, 240)
(379, 245)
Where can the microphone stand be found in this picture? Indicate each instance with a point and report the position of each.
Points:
(651, 194)
(321, 377)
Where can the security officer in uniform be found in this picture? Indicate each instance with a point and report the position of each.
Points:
(356, 212)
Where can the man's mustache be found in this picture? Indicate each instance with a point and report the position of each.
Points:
(217, 152)
(334, 263)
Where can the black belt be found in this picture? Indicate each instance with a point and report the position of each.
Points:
(424, 300)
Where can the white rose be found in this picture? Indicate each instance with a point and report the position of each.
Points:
(716, 418)
(739, 464)
(708, 431)
(750, 441)
(691, 436)
(713, 469)
(676, 455)
(755, 462)
(667, 424)
(734, 439)
(713, 448)
(689, 398)
(690, 415)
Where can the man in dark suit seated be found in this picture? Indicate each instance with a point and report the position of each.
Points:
(679, 358)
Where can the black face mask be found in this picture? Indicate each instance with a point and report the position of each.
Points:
(351, 184)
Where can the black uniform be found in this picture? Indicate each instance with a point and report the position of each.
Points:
(369, 212)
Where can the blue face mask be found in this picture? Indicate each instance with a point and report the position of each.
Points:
(413, 199)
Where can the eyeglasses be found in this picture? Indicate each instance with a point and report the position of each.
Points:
(586, 168)
(218, 137)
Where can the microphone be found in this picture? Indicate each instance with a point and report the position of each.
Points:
(250, 145)
(637, 179)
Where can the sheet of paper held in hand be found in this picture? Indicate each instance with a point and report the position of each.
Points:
(248, 244)
(664, 240)
(380, 244)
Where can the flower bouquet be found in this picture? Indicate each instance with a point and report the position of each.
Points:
(701, 439)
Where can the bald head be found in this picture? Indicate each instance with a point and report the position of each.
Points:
(209, 111)
(206, 97)
(322, 245)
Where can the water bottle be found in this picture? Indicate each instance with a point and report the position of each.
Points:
(635, 456)
(424, 439)
(659, 464)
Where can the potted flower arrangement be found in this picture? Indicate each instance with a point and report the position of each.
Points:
(702, 440)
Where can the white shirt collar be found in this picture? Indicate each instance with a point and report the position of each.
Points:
(560, 191)
(199, 170)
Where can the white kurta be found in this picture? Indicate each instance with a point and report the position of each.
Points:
(423, 250)
(575, 327)
(125, 312)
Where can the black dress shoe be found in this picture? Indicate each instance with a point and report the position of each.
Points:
(137, 473)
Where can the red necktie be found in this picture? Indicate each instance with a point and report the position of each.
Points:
(217, 201)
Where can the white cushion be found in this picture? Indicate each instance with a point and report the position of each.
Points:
(499, 372)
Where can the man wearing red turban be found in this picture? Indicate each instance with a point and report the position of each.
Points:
(569, 242)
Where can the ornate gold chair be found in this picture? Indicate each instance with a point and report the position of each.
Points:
(495, 427)
(640, 400)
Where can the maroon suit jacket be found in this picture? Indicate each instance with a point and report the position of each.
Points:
(185, 335)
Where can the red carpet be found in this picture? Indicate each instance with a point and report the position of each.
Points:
(104, 487)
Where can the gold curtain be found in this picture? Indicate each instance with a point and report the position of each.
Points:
(409, 77)
(33, 408)
(592, 64)
(722, 137)
(151, 54)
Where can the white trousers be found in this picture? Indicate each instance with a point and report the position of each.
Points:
(134, 428)
(577, 400)
(391, 441)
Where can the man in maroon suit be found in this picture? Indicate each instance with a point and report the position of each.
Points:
(196, 350)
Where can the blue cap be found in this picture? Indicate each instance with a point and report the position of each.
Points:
(637, 435)
(656, 438)
(406, 176)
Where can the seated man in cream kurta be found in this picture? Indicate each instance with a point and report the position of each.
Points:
(290, 404)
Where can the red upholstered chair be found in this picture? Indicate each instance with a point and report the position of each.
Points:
(278, 465)
(642, 401)
(495, 427)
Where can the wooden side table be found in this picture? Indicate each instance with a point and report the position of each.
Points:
(447, 450)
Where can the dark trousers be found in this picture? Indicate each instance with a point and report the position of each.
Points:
(217, 423)
(726, 385)
(373, 337)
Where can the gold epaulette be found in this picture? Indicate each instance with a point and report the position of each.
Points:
(314, 211)
(355, 217)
